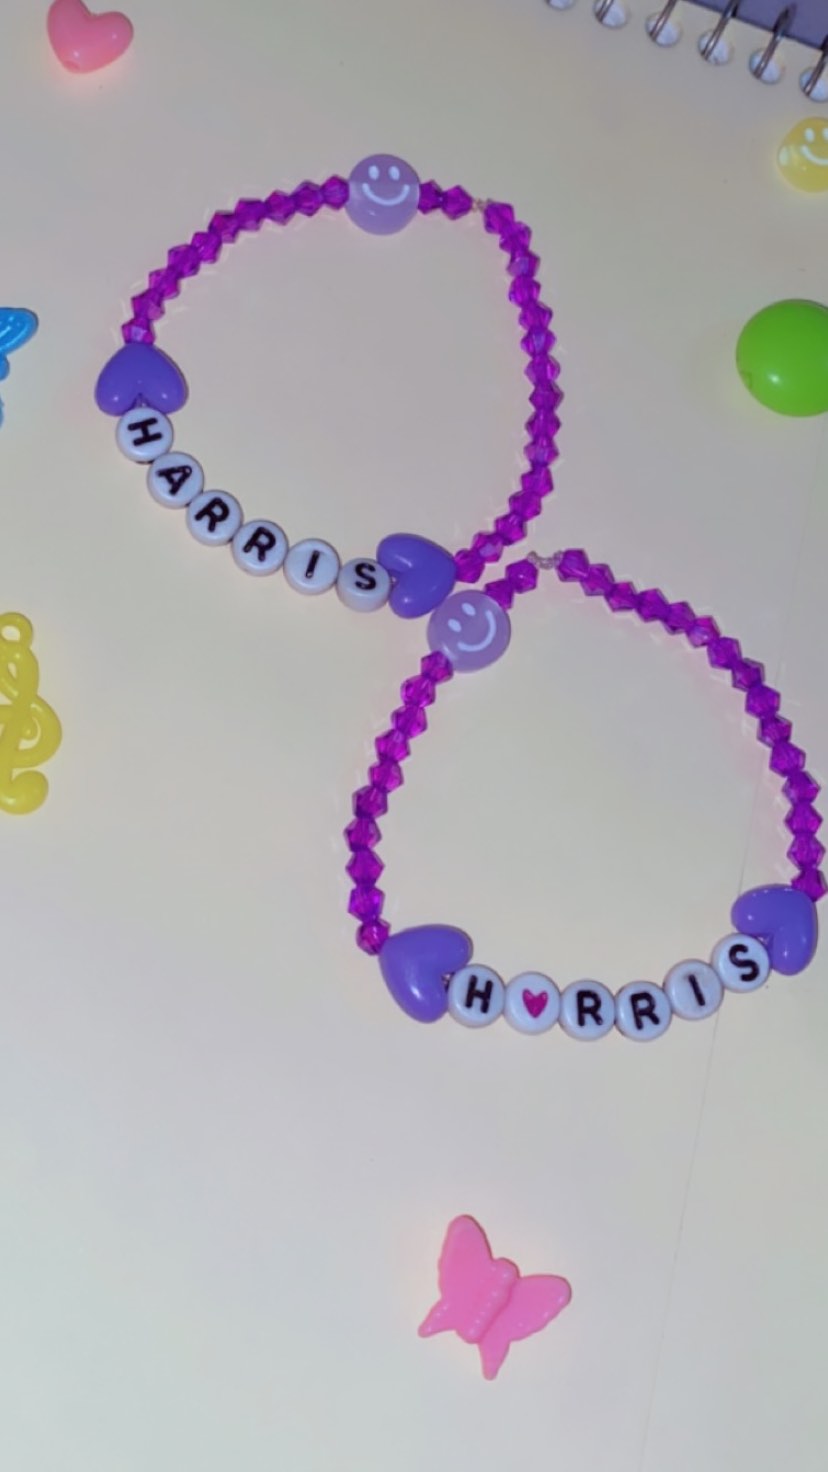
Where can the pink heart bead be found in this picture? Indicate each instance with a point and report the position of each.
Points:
(83, 42)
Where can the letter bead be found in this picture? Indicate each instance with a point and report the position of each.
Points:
(587, 1010)
(532, 1003)
(175, 479)
(475, 996)
(143, 434)
(214, 517)
(642, 1011)
(742, 963)
(363, 585)
(260, 548)
(311, 566)
(694, 990)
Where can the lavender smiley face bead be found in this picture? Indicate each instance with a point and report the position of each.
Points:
(470, 629)
(383, 194)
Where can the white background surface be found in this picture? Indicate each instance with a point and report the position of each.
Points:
(226, 1161)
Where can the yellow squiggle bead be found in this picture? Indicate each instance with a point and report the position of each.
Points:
(29, 729)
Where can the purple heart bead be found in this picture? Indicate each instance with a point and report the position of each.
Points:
(140, 374)
(416, 963)
(784, 920)
(424, 573)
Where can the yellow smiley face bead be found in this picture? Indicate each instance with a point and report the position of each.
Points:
(29, 729)
(803, 156)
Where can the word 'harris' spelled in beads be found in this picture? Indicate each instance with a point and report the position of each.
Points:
(143, 387)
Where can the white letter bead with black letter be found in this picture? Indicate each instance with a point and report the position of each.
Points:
(311, 566)
(642, 1011)
(694, 990)
(260, 548)
(175, 479)
(587, 1010)
(475, 996)
(533, 1002)
(742, 963)
(143, 434)
(363, 585)
(214, 517)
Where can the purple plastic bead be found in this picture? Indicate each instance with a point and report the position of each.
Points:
(372, 935)
(703, 632)
(679, 618)
(522, 576)
(225, 225)
(392, 746)
(598, 581)
(250, 213)
(386, 775)
(801, 787)
(365, 902)
(456, 203)
(573, 566)
(541, 451)
(781, 917)
(469, 565)
(431, 197)
(471, 629)
(773, 729)
(415, 964)
(436, 667)
(806, 851)
(803, 818)
(207, 245)
(502, 592)
(498, 219)
(364, 866)
(723, 654)
(424, 573)
(410, 719)
(335, 192)
(651, 606)
(524, 290)
(280, 207)
(811, 882)
(523, 263)
(761, 700)
(184, 259)
(786, 758)
(309, 198)
(138, 332)
(536, 341)
(362, 833)
(746, 673)
(370, 802)
(623, 597)
(516, 240)
(510, 528)
(417, 691)
(535, 314)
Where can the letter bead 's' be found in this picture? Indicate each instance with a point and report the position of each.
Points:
(741, 962)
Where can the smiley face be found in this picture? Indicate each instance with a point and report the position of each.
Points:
(470, 629)
(383, 194)
(803, 156)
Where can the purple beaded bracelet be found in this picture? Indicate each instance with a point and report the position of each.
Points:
(143, 386)
(429, 969)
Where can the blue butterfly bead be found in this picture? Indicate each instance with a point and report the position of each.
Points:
(17, 326)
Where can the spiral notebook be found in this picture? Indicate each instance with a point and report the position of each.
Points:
(796, 33)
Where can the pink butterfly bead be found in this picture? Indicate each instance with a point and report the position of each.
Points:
(485, 1300)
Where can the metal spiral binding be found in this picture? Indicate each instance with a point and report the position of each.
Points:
(798, 20)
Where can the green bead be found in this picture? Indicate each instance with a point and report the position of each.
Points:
(782, 357)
